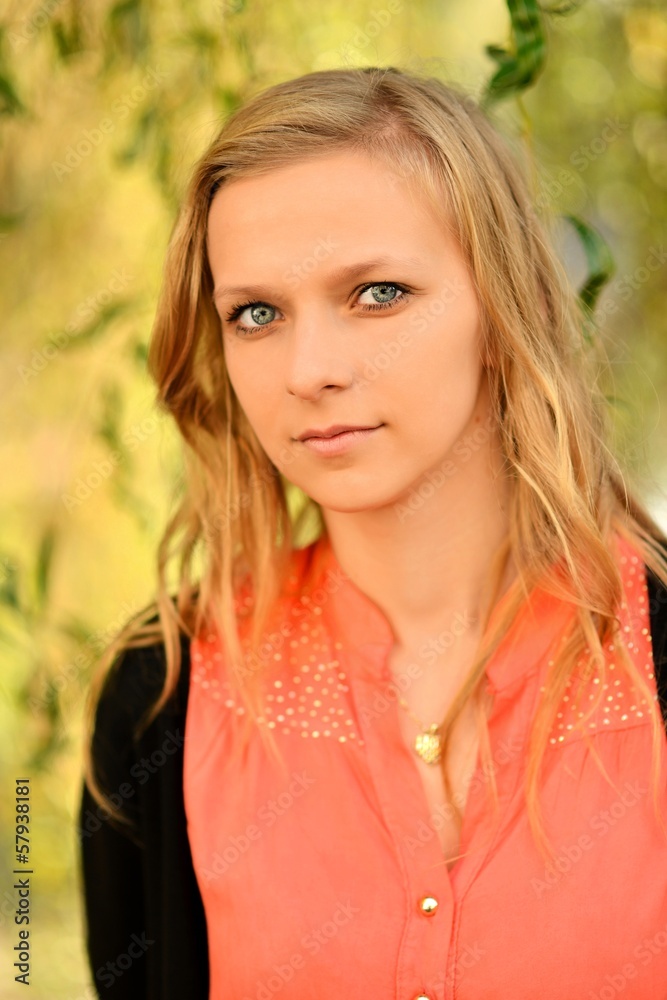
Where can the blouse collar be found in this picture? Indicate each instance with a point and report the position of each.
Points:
(366, 631)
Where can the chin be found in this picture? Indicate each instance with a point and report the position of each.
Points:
(347, 508)
(353, 499)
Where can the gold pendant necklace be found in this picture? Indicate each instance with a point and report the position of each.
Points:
(428, 743)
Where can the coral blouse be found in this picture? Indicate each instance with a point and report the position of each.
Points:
(329, 880)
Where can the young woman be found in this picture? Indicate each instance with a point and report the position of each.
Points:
(400, 734)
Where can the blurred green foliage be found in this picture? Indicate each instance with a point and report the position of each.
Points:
(104, 107)
(521, 63)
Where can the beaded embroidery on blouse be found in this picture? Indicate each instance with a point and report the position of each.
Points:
(621, 707)
(307, 698)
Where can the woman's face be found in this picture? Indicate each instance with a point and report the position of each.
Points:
(331, 338)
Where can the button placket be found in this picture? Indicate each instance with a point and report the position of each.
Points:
(424, 951)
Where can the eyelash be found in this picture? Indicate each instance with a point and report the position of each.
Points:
(236, 310)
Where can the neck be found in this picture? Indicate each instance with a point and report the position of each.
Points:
(431, 568)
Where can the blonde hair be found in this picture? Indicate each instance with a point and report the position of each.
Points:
(568, 494)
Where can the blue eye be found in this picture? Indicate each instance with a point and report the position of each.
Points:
(260, 312)
(384, 288)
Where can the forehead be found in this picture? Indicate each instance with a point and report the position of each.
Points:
(324, 179)
(343, 198)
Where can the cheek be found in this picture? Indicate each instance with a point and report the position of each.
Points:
(251, 387)
(257, 407)
(447, 354)
(261, 410)
(439, 381)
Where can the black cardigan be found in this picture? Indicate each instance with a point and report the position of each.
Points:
(146, 927)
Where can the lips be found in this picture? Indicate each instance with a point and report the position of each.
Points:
(328, 432)
(342, 443)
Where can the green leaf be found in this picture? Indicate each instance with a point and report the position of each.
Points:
(45, 563)
(139, 354)
(109, 429)
(566, 7)
(138, 143)
(620, 402)
(228, 98)
(68, 41)
(9, 593)
(128, 28)
(75, 628)
(519, 66)
(9, 221)
(126, 498)
(72, 338)
(203, 39)
(10, 102)
(598, 258)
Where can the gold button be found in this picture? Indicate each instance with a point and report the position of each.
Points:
(428, 905)
(422, 996)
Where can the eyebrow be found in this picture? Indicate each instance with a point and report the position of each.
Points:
(338, 276)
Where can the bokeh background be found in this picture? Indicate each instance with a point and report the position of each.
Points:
(104, 107)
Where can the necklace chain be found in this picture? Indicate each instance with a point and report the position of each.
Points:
(412, 715)
(428, 742)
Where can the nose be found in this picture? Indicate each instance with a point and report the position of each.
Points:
(318, 353)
